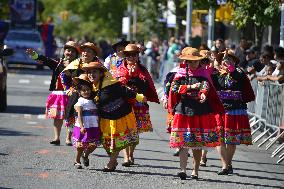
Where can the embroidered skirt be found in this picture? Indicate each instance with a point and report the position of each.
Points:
(141, 111)
(196, 132)
(234, 127)
(56, 104)
(119, 134)
(90, 138)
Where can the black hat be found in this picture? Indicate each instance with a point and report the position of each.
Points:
(252, 49)
(121, 42)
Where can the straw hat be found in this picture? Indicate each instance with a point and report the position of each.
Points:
(204, 53)
(72, 44)
(94, 65)
(81, 78)
(131, 48)
(190, 53)
(91, 46)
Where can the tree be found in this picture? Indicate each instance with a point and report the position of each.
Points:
(149, 13)
(93, 18)
(259, 13)
(4, 9)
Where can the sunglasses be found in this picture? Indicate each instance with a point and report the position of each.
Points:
(130, 55)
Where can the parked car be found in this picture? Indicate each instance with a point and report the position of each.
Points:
(3, 77)
(20, 40)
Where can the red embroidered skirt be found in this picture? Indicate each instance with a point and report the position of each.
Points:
(196, 132)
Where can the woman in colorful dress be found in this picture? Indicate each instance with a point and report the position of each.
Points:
(117, 120)
(194, 102)
(234, 89)
(89, 53)
(135, 76)
(57, 101)
(86, 133)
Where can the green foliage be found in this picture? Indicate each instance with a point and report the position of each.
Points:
(149, 11)
(4, 10)
(93, 18)
(261, 13)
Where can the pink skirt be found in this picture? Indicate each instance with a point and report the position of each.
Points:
(55, 105)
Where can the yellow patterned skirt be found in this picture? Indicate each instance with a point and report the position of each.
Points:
(119, 134)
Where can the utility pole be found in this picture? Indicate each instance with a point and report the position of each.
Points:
(134, 14)
(282, 26)
(188, 33)
(211, 19)
(129, 16)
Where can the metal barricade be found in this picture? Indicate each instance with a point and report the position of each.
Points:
(269, 115)
(259, 112)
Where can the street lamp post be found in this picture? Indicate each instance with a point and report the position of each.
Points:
(211, 18)
(282, 26)
(134, 20)
(129, 15)
(188, 33)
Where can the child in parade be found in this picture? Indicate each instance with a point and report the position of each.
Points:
(89, 52)
(86, 132)
(117, 120)
(57, 101)
(194, 102)
(135, 76)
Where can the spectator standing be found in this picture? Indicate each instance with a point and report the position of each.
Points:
(240, 52)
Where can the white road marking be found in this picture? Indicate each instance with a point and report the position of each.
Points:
(47, 82)
(32, 122)
(41, 116)
(27, 116)
(26, 81)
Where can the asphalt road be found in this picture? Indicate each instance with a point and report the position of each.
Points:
(27, 160)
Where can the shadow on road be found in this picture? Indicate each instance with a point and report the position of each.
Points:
(7, 132)
(253, 170)
(241, 183)
(251, 162)
(25, 110)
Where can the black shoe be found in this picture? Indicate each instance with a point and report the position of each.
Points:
(126, 164)
(223, 172)
(203, 162)
(176, 153)
(182, 175)
(230, 169)
(85, 160)
(68, 143)
(131, 162)
(78, 165)
(55, 142)
(194, 177)
(107, 169)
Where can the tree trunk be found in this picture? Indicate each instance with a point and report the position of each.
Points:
(178, 31)
(258, 30)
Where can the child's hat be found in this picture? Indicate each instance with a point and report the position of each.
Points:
(81, 78)
(94, 65)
